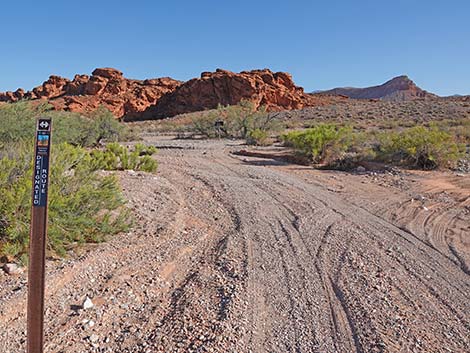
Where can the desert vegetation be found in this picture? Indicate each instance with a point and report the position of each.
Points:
(421, 146)
(84, 205)
(320, 143)
(118, 157)
(237, 121)
(18, 124)
(367, 115)
(338, 146)
(424, 134)
(242, 121)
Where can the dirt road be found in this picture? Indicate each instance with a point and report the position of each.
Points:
(238, 254)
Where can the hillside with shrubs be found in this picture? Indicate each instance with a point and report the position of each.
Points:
(426, 134)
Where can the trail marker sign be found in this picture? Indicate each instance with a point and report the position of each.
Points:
(219, 127)
(38, 235)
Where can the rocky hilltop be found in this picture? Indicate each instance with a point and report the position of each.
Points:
(400, 88)
(165, 97)
(106, 86)
(275, 90)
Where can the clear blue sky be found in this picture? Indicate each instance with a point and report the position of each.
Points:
(324, 44)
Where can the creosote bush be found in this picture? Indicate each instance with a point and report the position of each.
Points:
(19, 121)
(341, 147)
(118, 157)
(239, 121)
(420, 146)
(83, 206)
(258, 137)
(324, 143)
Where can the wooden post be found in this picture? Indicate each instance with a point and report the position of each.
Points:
(38, 234)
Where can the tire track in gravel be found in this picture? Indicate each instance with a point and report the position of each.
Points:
(296, 256)
(387, 224)
(237, 257)
(326, 282)
(412, 240)
(218, 266)
(397, 229)
(286, 268)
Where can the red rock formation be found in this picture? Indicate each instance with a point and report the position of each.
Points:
(400, 88)
(165, 97)
(124, 97)
(276, 91)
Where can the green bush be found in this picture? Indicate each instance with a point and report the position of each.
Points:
(204, 124)
(105, 128)
(324, 143)
(459, 129)
(19, 122)
(258, 137)
(118, 157)
(243, 119)
(420, 146)
(239, 121)
(83, 206)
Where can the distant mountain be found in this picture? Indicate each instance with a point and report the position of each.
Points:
(457, 98)
(400, 88)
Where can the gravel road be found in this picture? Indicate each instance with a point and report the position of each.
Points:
(238, 254)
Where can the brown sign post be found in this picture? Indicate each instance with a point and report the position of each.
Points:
(38, 234)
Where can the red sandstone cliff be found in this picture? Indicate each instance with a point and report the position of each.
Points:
(123, 97)
(276, 91)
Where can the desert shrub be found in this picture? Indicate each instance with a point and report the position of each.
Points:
(239, 121)
(105, 127)
(244, 118)
(324, 143)
(258, 137)
(83, 206)
(361, 146)
(420, 146)
(426, 147)
(458, 128)
(204, 124)
(19, 121)
(118, 157)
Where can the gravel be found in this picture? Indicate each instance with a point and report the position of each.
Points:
(232, 255)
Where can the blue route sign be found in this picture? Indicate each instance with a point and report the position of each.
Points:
(41, 163)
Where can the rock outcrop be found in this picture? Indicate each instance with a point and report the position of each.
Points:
(124, 97)
(276, 91)
(165, 97)
(400, 88)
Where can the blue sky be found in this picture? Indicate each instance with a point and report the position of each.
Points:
(324, 44)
